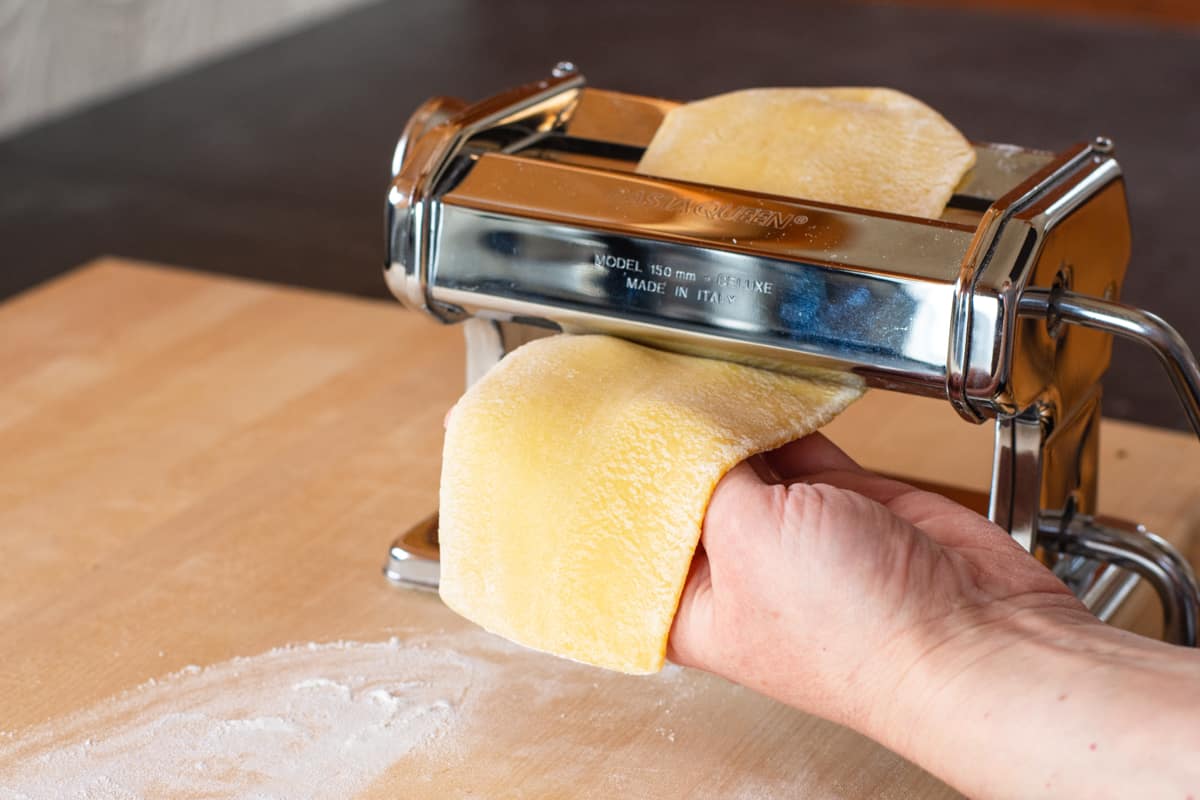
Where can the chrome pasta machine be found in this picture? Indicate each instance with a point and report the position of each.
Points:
(524, 212)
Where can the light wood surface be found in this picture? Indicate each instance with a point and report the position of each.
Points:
(196, 468)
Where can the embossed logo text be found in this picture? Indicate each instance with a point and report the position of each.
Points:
(715, 209)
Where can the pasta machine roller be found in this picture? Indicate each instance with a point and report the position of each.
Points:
(524, 212)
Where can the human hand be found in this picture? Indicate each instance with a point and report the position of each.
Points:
(917, 622)
(824, 586)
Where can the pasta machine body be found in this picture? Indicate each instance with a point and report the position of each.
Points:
(525, 212)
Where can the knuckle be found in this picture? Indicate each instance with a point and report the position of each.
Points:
(810, 506)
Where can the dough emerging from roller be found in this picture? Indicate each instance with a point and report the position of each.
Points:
(577, 472)
(575, 479)
(869, 148)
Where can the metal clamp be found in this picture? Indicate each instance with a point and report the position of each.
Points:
(413, 557)
(1080, 535)
(1143, 552)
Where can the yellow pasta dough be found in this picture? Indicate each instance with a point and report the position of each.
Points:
(577, 472)
(575, 478)
(868, 148)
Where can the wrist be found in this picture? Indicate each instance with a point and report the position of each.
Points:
(1043, 701)
(967, 658)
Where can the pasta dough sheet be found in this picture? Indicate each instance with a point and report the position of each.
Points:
(868, 148)
(575, 480)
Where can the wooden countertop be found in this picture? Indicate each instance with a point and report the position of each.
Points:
(195, 468)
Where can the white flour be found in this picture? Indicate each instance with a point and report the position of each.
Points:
(308, 721)
(451, 715)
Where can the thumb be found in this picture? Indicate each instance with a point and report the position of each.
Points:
(693, 640)
(692, 631)
(741, 508)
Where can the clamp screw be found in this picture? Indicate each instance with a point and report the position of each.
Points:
(1103, 144)
(564, 68)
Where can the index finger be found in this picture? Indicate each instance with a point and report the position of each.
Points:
(810, 455)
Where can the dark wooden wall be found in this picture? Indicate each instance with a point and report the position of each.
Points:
(1166, 12)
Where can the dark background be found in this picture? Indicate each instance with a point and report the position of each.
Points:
(272, 163)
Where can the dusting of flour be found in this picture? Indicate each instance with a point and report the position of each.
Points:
(453, 714)
(304, 721)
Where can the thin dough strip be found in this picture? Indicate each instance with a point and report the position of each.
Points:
(860, 147)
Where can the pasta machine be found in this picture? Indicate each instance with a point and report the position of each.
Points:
(524, 212)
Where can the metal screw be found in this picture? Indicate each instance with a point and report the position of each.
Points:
(564, 68)
(1103, 144)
